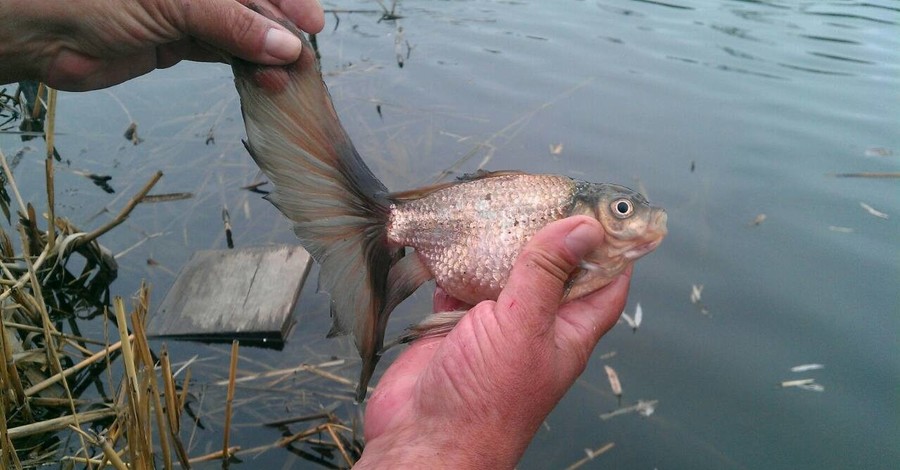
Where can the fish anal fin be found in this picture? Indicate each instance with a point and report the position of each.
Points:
(434, 325)
(405, 277)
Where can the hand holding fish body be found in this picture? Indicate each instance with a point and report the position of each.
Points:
(465, 234)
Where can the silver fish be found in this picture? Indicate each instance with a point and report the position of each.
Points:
(466, 234)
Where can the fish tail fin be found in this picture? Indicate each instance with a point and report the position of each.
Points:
(325, 188)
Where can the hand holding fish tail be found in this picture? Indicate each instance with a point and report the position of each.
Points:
(502, 369)
(93, 44)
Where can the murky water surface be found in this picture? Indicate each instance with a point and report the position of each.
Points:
(720, 111)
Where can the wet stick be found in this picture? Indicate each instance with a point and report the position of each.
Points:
(36, 388)
(9, 452)
(174, 406)
(137, 324)
(283, 442)
(229, 398)
(132, 386)
(49, 129)
(104, 444)
(56, 424)
(10, 376)
(591, 454)
(215, 455)
(339, 444)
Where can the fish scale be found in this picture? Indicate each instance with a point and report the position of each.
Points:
(468, 235)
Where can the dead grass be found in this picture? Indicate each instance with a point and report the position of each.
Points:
(47, 366)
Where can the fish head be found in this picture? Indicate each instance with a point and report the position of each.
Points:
(632, 226)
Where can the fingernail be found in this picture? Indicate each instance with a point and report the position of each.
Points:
(282, 44)
(581, 240)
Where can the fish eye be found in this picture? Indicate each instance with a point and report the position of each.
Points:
(622, 208)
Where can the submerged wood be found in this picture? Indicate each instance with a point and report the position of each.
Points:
(227, 294)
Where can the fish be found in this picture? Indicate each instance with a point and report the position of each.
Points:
(376, 247)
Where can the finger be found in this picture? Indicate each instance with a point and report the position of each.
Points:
(308, 15)
(72, 71)
(241, 31)
(536, 284)
(443, 302)
(581, 323)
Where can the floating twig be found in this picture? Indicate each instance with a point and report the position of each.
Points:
(614, 383)
(871, 210)
(645, 408)
(152, 198)
(591, 455)
(869, 174)
(122, 215)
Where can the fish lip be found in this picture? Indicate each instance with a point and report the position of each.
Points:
(642, 249)
(658, 229)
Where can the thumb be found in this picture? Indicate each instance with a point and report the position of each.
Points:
(256, 36)
(538, 279)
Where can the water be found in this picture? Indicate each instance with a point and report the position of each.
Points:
(719, 110)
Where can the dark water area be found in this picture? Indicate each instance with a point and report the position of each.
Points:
(720, 111)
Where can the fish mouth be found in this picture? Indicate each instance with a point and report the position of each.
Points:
(642, 249)
(657, 230)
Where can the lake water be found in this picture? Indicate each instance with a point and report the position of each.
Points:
(719, 110)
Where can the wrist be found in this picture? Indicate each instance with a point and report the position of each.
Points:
(448, 446)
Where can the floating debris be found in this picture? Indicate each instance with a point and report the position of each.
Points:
(254, 188)
(634, 322)
(873, 211)
(556, 149)
(614, 383)
(804, 384)
(226, 220)
(696, 291)
(210, 137)
(870, 174)
(644, 408)
(758, 220)
(591, 454)
(693, 166)
(807, 367)
(879, 152)
(102, 181)
(131, 134)
(152, 198)
(837, 228)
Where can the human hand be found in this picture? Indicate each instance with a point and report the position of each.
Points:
(91, 44)
(475, 398)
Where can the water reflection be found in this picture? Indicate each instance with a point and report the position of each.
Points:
(808, 91)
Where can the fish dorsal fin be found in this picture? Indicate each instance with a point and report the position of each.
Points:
(483, 174)
(419, 193)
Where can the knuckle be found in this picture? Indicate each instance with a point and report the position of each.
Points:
(547, 262)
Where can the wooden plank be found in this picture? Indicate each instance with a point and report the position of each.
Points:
(245, 294)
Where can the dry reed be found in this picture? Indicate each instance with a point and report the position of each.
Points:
(141, 425)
